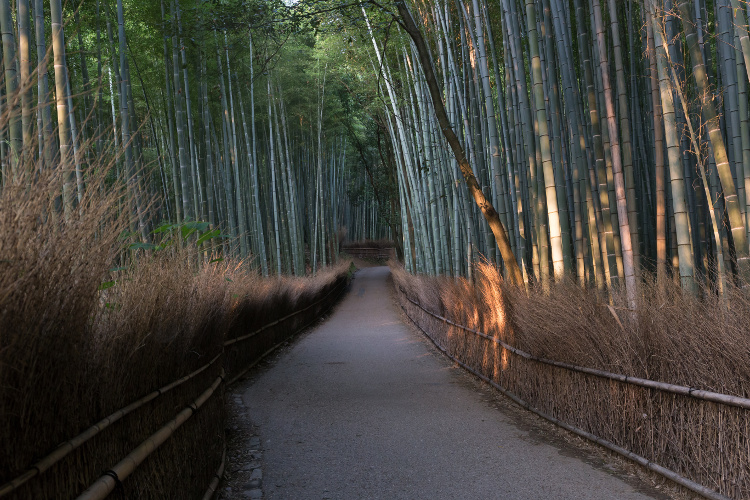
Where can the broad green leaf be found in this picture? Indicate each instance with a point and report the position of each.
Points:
(107, 284)
(126, 235)
(207, 236)
(165, 228)
(196, 225)
(187, 231)
(142, 246)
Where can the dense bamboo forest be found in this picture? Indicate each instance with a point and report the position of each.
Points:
(566, 182)
(611, 138)
(214, 118)
(606, 142)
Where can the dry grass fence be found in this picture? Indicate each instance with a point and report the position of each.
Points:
(128, 373)
(548, 351)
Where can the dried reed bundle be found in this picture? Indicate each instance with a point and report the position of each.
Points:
(671, 338)
(86, 330)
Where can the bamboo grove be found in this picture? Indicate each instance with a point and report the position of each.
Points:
(611, 139)
(610, 136)
(219, 118)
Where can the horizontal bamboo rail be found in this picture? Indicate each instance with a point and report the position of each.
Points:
(67, 447)
(214, 485)
(217, 478)
(107, 483)
(715, 397)
(669, 474)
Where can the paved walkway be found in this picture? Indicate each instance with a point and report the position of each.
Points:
(363, 408)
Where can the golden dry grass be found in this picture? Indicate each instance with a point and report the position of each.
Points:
(673, 337)
(73, 351)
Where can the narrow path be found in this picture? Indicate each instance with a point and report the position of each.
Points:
(363, 408)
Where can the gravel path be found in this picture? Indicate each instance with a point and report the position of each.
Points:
(364, 407)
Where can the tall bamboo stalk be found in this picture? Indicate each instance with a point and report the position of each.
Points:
(711, 118)
(15, 125)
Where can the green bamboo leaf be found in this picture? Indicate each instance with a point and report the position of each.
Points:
(106, 285)
(191, 227)
(196, 225)
(207, 236)
(126, 235)
(165, 228)
(187, 231)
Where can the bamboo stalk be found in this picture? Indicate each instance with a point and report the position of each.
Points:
(673, 155)
(617, 162)
(719, 149)
(487, 209)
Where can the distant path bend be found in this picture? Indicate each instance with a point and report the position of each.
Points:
(363, 408)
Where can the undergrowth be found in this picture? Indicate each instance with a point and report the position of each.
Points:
(671, 337)
(89, 324)
(382, 243)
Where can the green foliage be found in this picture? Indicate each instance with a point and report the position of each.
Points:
(296, 46)
(106, 285)
(169, 234)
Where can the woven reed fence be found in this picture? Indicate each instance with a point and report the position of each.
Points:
(125, 455)
(696, 438)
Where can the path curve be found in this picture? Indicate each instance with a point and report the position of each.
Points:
(363, 408)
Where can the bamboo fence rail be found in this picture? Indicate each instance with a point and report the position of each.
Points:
(106, 483)
(278, 344)
(715, 397)
(214, 485)
(230, 342)
(712, 397)
(67, 447)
